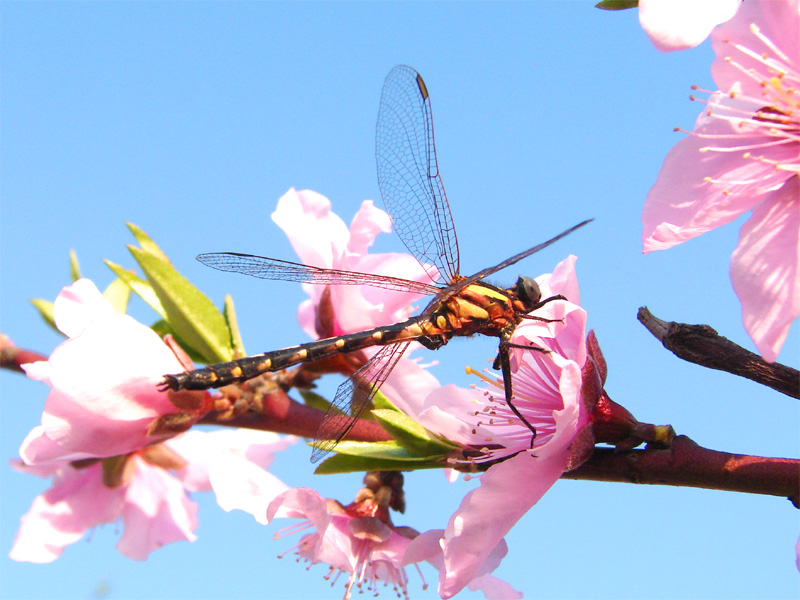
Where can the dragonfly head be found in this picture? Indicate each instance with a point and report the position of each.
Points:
(528, 291)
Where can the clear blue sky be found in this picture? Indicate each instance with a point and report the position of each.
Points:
(192, 119)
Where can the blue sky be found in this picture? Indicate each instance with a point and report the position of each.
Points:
(192, 119)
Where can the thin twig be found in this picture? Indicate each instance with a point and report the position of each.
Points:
(702, 345)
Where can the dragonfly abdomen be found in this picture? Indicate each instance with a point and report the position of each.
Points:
(214, 376)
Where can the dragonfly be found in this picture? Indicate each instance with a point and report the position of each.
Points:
(415, 199)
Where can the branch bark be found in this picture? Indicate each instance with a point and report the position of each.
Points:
(12, 357)
(702, 345)
(686, 463)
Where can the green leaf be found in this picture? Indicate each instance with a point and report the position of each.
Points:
(146, 242)
(409, 434)
(369, 456)
(616, 4)
(118, 294)
(381, 401)
(140, 286)
(162, 328)
(314, 400)
(390, 450)
(45, 308)
(342, 463)
(229, 312)
(189, 312)
(74, 267)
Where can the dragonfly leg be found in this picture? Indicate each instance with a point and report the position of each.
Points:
(539, 305)
(505, 366)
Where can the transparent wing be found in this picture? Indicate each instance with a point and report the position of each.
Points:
(408, 174)
(454, 289)
(284, 270)
(352, 397)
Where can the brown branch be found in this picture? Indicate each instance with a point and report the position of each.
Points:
(702, 345)
(687, 464)
(12, 357)
(282, 414)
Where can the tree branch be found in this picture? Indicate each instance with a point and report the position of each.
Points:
(702, 345)
(12, 357)
(687, 464)
(281, 414)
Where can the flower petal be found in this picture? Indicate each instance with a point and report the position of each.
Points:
(680, 24)
(157, 511)
(765, 269)
(508, 490)
(77, 501)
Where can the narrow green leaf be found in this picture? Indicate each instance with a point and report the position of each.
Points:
(390, 450)
(146, 242)
(409, 434)
(229, 312)
(382, 402)
(188, 311)
(616, 4)
(74, 267)
(162, 328)
(118, 294)
(140, 286)
(314, 400)
(343, 463)
(45, 308)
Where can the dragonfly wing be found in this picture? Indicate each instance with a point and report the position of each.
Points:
(408, 174)
(284, 270)
(453, 289)
(353, 396)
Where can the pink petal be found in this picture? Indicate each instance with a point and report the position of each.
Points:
(37, 448)
(478, 525)
(494, 588)
(78, 306)
(684, 203)
(229, 447)
(426, 546)
(240, 484)
(318, 235)
(301, 503)
(779, 21)
(797, 553)
(77, 501)
(156, 512)
(104, 393)
(680, 24)
(563, 280)
(367, 223)
(764, 269)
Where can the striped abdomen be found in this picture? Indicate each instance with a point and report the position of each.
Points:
(243, 369)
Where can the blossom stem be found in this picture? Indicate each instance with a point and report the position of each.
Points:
(282, 414)
(12, 357)
(702, 345)
(687, 464)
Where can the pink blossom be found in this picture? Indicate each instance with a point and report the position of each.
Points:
(364, 547)
(681, 24)
(744, 156)
(321, 239)
(547, 391)
(359, 541)
(103, 398)
(233, 463)
(152, 504)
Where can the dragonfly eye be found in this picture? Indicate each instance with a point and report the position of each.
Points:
(528, 290)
